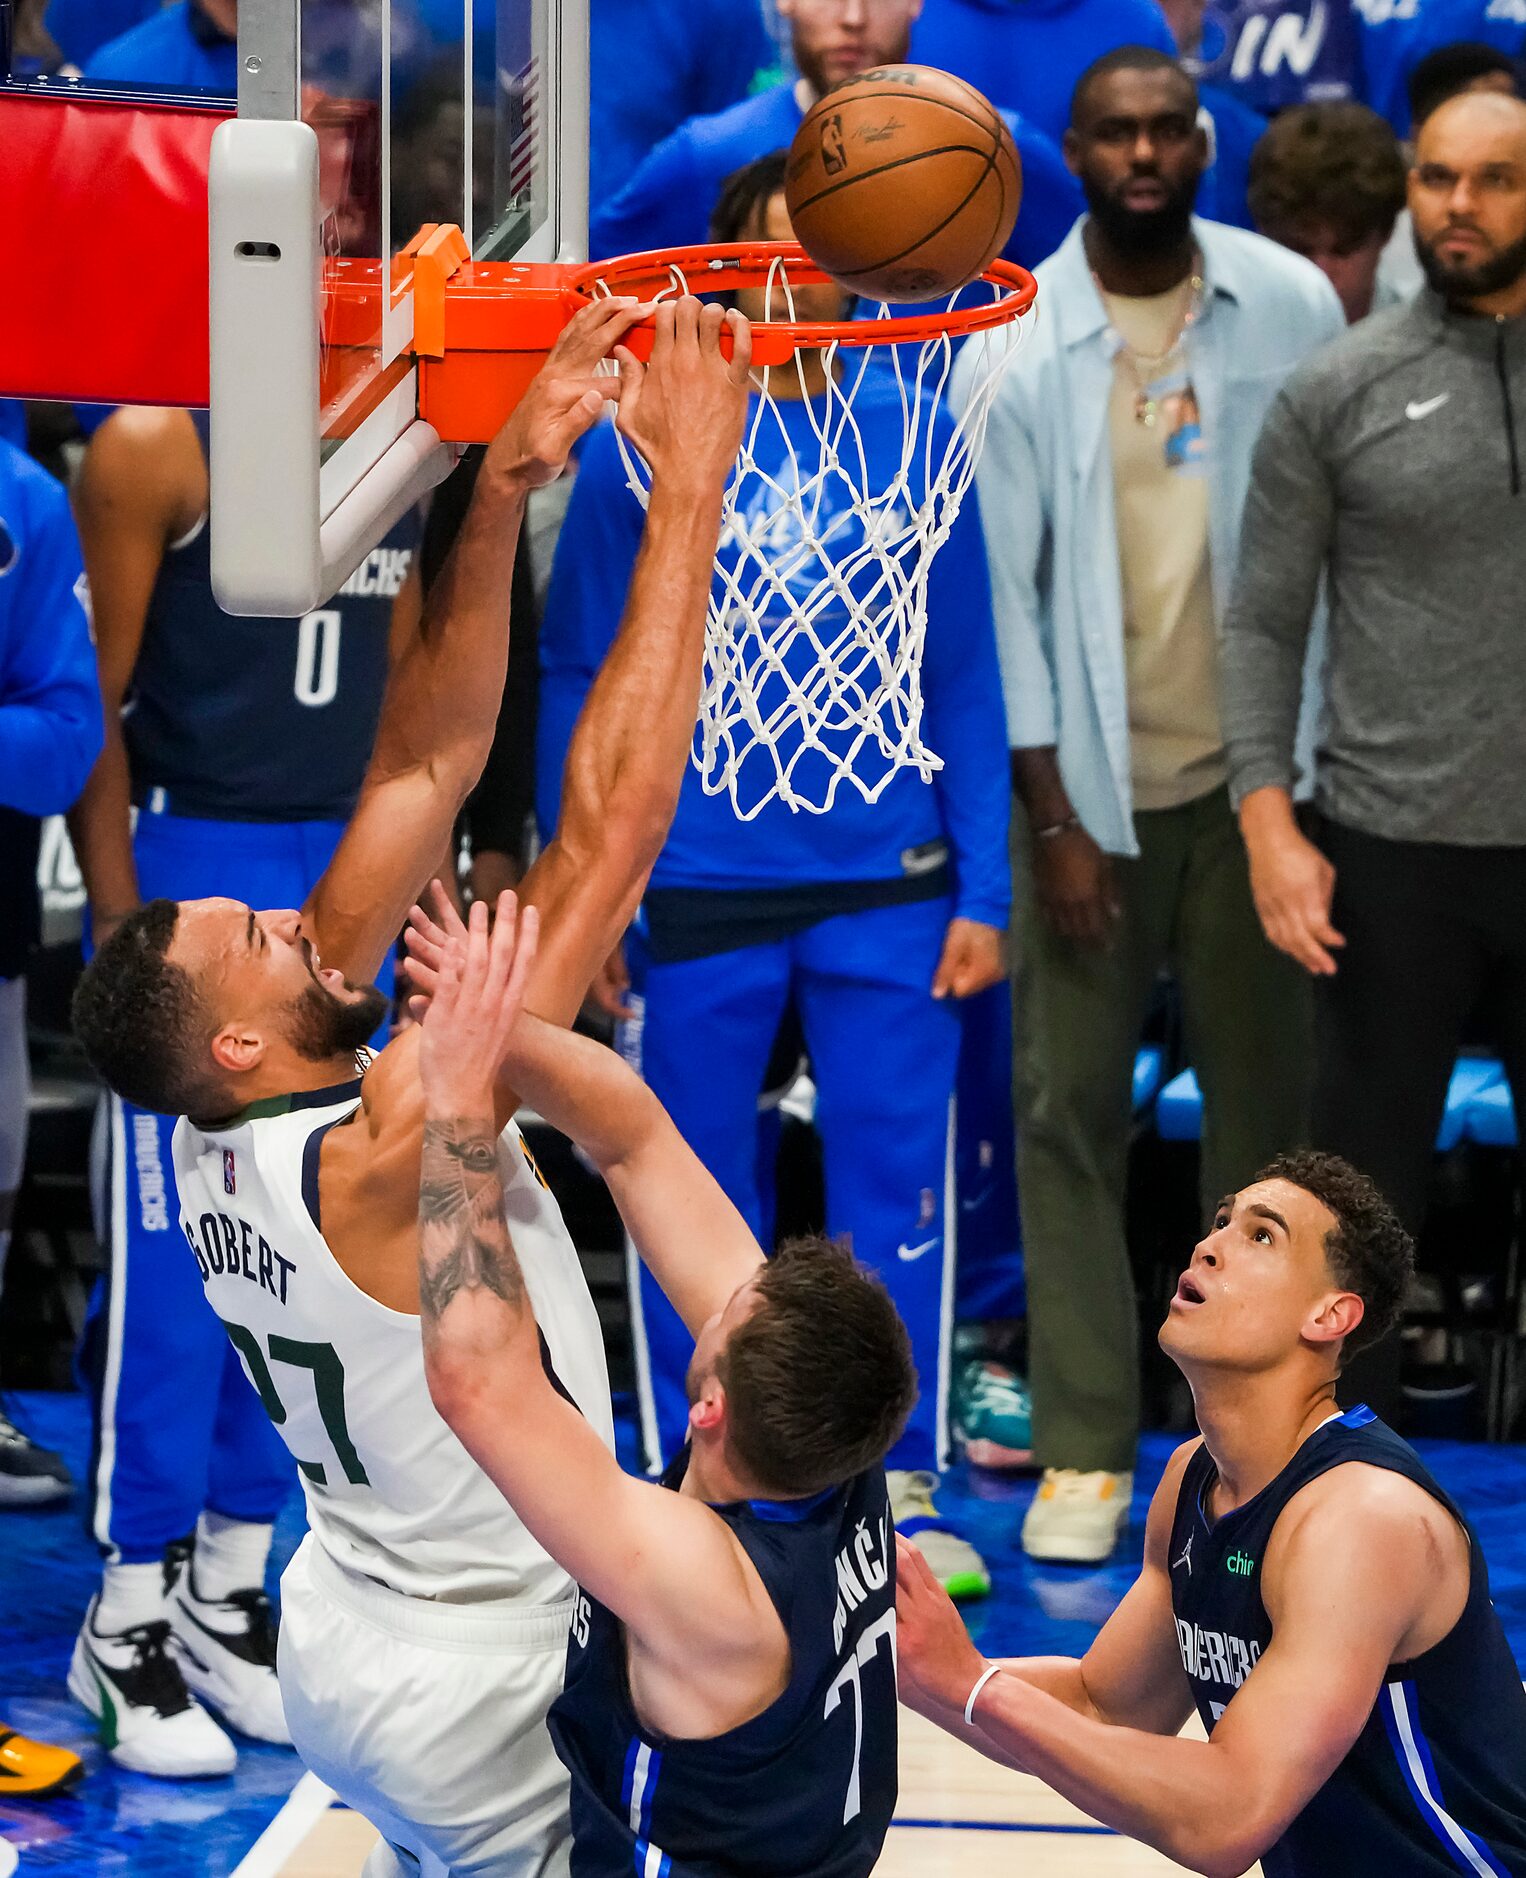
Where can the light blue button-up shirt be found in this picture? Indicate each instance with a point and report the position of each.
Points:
(1045, 485)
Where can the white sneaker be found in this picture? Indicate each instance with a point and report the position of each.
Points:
(955, 1563)
(130, 1682)
(1076, 1518)
(227, 1653)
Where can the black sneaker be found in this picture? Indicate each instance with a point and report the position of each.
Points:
(131, 1682)
(29, 1475)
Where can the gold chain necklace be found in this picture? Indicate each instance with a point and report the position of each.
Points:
(1146, 366)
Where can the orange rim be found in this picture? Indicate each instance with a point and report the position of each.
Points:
(726, 267)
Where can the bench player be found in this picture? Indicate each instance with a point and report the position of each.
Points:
(730, 1702)
(1307, 1587)
(419, 1615)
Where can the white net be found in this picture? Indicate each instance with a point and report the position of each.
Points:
(850, 479)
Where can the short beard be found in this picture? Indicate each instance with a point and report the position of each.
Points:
(1472, 283)
(321, 1026)
(1140, 235)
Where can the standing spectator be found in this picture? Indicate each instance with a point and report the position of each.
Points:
(1129, 416)
(669, 200)
(1274, 53)
(1327, 181)
(192, 46)
(241, 742)
(50, 734)
(875, 918)
(1029, 54)
(1446, 73)
(1234, 129)
(653, 65)
(1391, 470)
(1417, 58)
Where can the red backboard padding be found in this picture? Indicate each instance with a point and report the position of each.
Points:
(103, 219)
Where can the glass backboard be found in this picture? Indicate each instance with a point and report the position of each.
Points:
(359, 123)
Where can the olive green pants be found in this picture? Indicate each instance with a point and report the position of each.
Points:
(1078, 1014)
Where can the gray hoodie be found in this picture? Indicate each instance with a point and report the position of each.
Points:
(1393, 462)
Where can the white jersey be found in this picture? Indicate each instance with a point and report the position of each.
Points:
(391, 1493)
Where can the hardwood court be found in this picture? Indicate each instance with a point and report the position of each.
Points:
(959, 1817)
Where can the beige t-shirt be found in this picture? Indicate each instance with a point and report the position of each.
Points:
(1160, 493)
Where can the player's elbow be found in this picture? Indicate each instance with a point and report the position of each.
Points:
(1218, 1846)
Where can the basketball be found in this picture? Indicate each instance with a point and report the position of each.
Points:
(903, 183)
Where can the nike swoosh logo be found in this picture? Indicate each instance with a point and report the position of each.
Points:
(910, 1252)
(1419, 409)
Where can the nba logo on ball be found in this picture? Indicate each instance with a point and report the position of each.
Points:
(833, 155)
(230, 1178)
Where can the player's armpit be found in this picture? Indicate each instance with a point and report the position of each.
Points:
(1132, 1675)
(663, 1563)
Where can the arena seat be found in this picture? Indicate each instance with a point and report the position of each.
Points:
(1491, 1121)
(1478, 1099)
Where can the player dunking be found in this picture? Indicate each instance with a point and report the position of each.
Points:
(730, 1702)
(424, 1633)
(1307, 1586)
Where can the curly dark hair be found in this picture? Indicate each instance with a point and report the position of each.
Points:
(1369, 1252)
(141, 1018)
(819, 1379)
(1339, 164)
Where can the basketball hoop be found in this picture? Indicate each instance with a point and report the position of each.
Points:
(817, 620)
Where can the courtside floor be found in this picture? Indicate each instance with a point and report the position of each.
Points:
(957, 1814)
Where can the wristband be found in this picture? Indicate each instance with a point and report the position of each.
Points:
(981, 1681)
(1051, 830)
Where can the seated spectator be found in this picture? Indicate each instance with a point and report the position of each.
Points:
(1446, 73)
(1327, 181)
(191, 46)
(1416, 62)
(669, 200)
(653, 65)
(1028, 57)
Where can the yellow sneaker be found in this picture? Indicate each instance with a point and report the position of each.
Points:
(1075, 1518)
(33, 1768)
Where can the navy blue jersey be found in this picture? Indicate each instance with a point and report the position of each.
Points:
(1436, 1781)
(804, 1790)
(260, 720)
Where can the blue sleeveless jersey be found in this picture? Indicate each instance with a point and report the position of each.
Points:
(804, 1790)
(1436, 1781)
(260, 720)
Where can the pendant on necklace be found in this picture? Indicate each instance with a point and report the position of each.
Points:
(1144, 410)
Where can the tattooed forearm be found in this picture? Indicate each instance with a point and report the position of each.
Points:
(464, 1243)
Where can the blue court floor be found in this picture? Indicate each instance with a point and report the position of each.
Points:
(126, 1823)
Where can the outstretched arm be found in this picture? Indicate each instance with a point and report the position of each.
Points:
(625, 763)
(638, 1548)
(1350, 1583)
(441, 703)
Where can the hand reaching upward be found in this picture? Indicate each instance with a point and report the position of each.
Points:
(478, 997)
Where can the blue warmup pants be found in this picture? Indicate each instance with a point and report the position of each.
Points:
(990, 1278)
(884, 1056)
(178, 1427)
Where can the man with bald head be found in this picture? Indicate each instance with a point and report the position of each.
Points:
(1393, 465)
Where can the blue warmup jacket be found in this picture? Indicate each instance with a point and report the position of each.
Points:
(964, 721)
(179, 48)
(1273, 53)
(654, 64)
(1028, 54)
(51, 728)
(669, 200)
